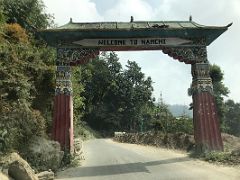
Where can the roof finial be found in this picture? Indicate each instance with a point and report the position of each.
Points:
(229, 24)
(71, 20)
(131, 19)
(190, 18)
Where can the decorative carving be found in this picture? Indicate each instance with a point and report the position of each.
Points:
(188, 55)
(67, 57)
(74, 56)
(63, 80)
(201, 78)
(198, 41)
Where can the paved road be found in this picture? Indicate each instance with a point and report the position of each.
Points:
(108, 160)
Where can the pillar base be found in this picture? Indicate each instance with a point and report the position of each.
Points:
(63, 122)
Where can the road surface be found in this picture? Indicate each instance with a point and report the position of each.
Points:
(108, 160)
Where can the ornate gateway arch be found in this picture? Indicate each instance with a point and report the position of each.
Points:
(185, 41)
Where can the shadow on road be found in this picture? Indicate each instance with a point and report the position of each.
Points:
(118, 168)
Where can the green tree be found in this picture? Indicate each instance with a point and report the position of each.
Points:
(115, 99)
(137, 95)
(231, 119)
(182, 124)
(100, 80)
(2, 17)
(219, 89)
(78, 100)
(164, 121)
(26, 76)
(23, 77)
(29, 14)
(163, 118)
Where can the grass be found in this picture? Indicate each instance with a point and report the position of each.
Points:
(227, 158)
(84, 132)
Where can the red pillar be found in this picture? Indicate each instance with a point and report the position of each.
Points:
(63, 102)
(206, 123)
(63, 110)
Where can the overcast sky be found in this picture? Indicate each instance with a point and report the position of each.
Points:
(170, 77)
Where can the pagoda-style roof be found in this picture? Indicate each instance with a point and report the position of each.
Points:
(72, 31)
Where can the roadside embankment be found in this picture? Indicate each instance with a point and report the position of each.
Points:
(39, 160)
(158, 139)
(181, 141)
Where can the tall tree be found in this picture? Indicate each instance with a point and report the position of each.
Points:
(219, 89)
(29, 14)
(26, 83)
(231, 120)
(138, 91)
(116, 99)
(100, 79)
(163, 118)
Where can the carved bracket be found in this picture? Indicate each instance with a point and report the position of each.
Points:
(188, 55)
(75, 56)
(67, 57)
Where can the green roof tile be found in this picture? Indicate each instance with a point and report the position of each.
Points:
(132, 25)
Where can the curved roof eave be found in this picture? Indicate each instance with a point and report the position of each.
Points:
(185, 29)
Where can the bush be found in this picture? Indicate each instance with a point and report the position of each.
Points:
(21, 123)
(16, 33)
(44, 154)
(217, 156)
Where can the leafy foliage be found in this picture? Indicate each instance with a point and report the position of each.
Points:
(164, 121)
(115, 99)
(228, 111)
(219, 89)
(26, 80)
(231, 120)
(20, 124)
(29, 14)
(162, 117)
(22, 74)
(16, 33)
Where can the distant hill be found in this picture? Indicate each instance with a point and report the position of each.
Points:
(179, 110)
